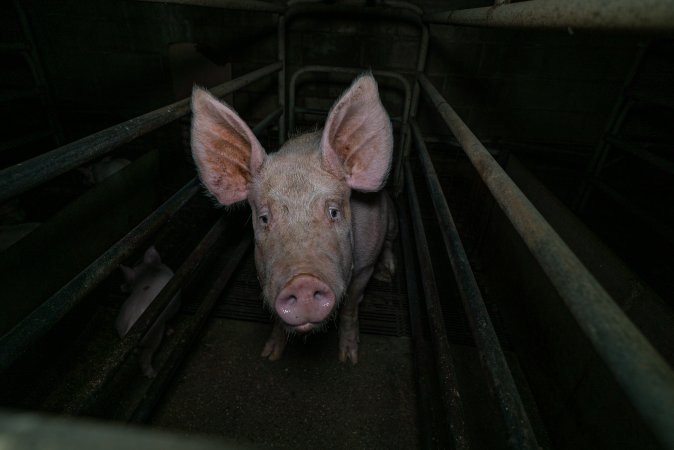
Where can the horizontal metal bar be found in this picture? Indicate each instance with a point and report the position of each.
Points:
(500, 379)
(28, 431)
(87, 397)
(241, 5)
(23, 176)
(227, 264)
(15, 342)
(643, 374)
(451, 397)
(651, 15)
(641, 153)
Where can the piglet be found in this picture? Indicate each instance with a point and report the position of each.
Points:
(322, 223)
(144, 282)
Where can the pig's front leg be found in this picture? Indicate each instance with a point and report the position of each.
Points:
(276, 343)
(348, 317)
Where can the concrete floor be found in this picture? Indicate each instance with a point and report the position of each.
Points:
(307, 399)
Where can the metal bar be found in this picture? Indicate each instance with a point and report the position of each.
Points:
(266, 121)
(643, 374)
(500, 379)
(451, 396)
(87, 397)
(29, 431)
(226, 265)
(241, 5)
(643, 154)
(15, 342)
(345, 70)
(422, 358)
(282, 80)
(398, 181)
(23, 176)
(650, 15)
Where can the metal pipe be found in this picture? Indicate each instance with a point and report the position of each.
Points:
(28, 174)
(422, 358)
(639, 369)
(15, 342)
(414, 106)
(226, 265)
(282, 80)
(500, 379)
(345, 70)
(650, 15)
(240, 5)
(87, 397)
(451, 396)
(267, 120)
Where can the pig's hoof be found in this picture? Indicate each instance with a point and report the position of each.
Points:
(348, 339)
(386, 267)
(273, 348)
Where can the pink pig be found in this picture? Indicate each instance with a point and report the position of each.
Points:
(144, 282)
(322, 224)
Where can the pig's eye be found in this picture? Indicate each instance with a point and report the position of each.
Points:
(333, 213)
(264, 219)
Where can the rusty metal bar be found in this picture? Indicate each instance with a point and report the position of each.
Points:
(643, 374)
(226, 265)
(23, 176)
(451, 397)
(42, 319)
(500, 379)
(649, 15)
(86, 399)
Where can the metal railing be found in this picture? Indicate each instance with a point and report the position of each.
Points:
(643, 374)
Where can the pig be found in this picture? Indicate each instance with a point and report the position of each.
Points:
(321, 221)
(144, 282)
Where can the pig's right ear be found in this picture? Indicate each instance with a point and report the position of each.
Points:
(227, 153)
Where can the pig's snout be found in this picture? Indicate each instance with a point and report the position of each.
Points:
(304, 302)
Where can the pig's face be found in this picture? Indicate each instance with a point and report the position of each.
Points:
(299, 196)
(303, 242)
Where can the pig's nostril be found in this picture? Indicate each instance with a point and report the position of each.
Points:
(292, 299)
(318, 295)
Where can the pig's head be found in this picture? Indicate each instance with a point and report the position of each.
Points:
(300, 195)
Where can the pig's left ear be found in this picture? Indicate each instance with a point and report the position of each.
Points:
(357, 142)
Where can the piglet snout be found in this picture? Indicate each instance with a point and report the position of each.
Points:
(305, 301)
